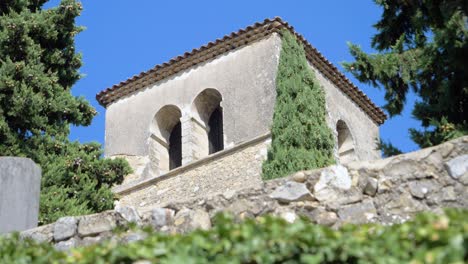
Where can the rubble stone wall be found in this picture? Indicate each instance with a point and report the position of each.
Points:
(384, 191)
(233, 169)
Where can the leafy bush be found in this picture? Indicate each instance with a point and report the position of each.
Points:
(428, 238)
(76, 180)
(301, 138)
(38, 67)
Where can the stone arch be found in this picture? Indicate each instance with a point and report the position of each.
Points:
(207, 129)
(165, 141)
(346, 148)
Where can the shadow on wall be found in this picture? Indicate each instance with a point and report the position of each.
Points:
(346, 151)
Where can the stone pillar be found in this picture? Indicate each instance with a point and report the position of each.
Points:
(187, 146)
(20, 183)
(194, 140)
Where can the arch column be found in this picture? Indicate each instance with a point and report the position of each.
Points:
(195, 140)
(157, 149)
(192, 136)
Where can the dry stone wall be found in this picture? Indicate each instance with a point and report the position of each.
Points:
(384, 191)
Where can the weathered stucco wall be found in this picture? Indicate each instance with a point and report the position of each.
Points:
(245, 78)
(364, 131)
(230, 170)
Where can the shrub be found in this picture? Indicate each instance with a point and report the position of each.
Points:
(428, 238)
(301, 138)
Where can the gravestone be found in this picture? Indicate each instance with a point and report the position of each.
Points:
(20, 182)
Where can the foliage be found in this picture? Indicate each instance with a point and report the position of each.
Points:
(428, 238)
(388, 149)
(38, 66)
(423, 46)
(301, 138)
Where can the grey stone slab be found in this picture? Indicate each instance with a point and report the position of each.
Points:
(67, 244)
(129, 213)
(291, 192)
(65, 228)
(358, 213)
(43, 233)
(457, 166)
(335, 176)
(20, 182)
(161, 217)
(98, 223)
(371, 186)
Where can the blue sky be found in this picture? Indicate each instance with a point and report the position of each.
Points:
(123, 38)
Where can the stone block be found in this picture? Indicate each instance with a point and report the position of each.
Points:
(334, 176)
(299, 177)
(65, 228)
(323, 217)
(129, 213)
(448, 194)
(187, 220)
(403, 204)
(358, 213)
(404, 168)
(67, 244)
(420, 189)
(291, 192)
(161, 217)
(95, 224)
(43, 233)
(371, 186)
(457, 166)
(20, 182)
(334, 198)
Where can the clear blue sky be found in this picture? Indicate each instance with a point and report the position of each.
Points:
(123, 38)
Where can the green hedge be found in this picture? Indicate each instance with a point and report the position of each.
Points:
(428, 238)
(301, 138)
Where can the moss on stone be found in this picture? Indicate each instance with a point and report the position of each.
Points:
(301, 139)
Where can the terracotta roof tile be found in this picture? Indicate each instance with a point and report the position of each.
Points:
(235, 40)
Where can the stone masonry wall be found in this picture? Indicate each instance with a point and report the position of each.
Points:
(230, 170)
(384, 191)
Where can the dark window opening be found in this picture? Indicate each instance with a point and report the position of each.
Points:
(215, 135)
(175, 147)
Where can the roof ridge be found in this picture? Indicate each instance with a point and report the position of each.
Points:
(232, 41)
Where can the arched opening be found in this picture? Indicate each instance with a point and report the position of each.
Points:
(346, 152)
(215, 134)
(166, 140)
(175, 147)
(208, 132)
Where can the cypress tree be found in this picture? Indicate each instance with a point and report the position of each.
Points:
(38, 67)
(422, 47)
(301, 138)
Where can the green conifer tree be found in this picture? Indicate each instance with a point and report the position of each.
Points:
(38, 67)
(423, 47)
(301, 138)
